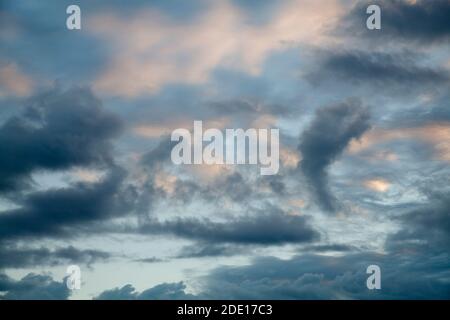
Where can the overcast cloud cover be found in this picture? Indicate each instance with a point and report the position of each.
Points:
(85, 170)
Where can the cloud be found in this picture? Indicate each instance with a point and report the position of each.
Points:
(275, 184)
(209, 181)
(426, 228)
(336, 247)
(377, 184)
(382, 69)
(248, 107)
(436, 134)
(54, 212)
(14, 257)
(235, 187)
(154, 50)
(150, 260)
(205, 250)
(164, 291)
(421, 21)
(289, 157)
(32, 287)
(267, 227)
(159, 130)
(59, 130)
(13, 81)
(238, 64)
(332, 129)
(165, 128)
(158, 155)
(152, 189)
(329, 277)
(127, 292)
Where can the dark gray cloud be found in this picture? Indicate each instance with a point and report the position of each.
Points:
(426, 228)
(326, 138)
(205, 250)
(275, 183)
(62, 129)
(259, 11)
(57, 130)
(235, 186)
(330, 247)
(429, 112)
(33, 287)
(57, 212)
(404, 275)
(13, 257)
(164, 291)
(402, 70)
(422, 21)
(158, 155)
(150, 260)
(127, 292)
(270, 226)
(248, 107)
(327, 277)
(152, 162)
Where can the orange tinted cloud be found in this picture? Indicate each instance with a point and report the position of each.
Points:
(152, 50)
(437, 135)
(377, 184)
(13, 81)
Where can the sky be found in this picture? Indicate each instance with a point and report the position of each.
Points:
(86, 176)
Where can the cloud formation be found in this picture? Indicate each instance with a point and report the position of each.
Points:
(421, 21)
(58, 130)
(75, 171)
(426, 228)
(402, 70)
(328, 277)
(59, 212)
(269, 226)
(13, 257)
(32, 287)
(324, 140)
(164, 291)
